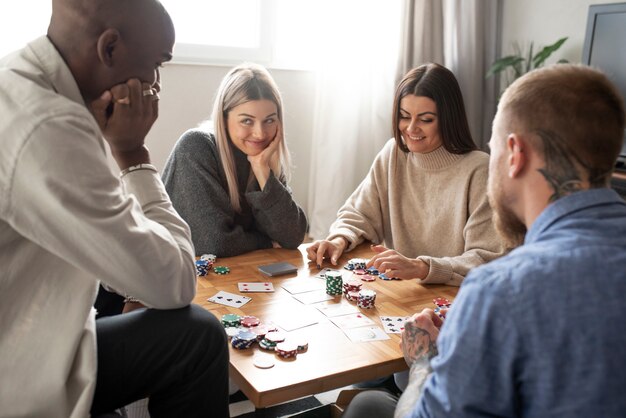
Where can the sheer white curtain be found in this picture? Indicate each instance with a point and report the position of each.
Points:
(463, 35)
(472, 40)
(352, 116)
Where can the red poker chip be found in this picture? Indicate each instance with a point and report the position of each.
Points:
(441, 302)
(367, 278)
(250, 321)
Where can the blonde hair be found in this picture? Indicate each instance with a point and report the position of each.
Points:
(242, 84)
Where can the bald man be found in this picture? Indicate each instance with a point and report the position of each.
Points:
(67, 223)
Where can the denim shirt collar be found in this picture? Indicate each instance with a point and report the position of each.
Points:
(566, 206)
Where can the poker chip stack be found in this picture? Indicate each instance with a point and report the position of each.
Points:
(333, 283)
(351, 289)
(367, 299)
(232, 331)
(286, 350)
(250, 321)
(373, 271)
(271, 339)
(209, 257)
(356, 263)
(261, 331)
(243, 340)
(202, 267)
(443, 305)
(231, 320)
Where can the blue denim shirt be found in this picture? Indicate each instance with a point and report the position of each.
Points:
(541, 332)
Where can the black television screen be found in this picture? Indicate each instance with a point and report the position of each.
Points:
(605, 46)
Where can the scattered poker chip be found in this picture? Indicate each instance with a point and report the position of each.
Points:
(250, 321)
(260, 331)
(243, 340)
(441, 302)
(367, 299)
(267, 345)
(232, 331)
(352, 296)
(441, 311)
(221, 270)
(202, 267)
(209, 257)
(275, 337)
(383, 276)
(231, 320)
(286, 350)
(263, 361)
(359, 271)
(367, 278)
(302, 345)
(373, 271)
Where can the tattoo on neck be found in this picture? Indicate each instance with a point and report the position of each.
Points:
(561, 170)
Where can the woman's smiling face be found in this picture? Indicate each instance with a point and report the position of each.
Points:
(418, 124)
(252, 125)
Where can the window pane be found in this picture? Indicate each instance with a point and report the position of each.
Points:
(232, 23)
(21, 22)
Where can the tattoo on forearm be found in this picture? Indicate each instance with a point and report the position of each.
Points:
(419, 343)
(562, 166)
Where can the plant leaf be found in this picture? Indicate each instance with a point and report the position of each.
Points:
(503, 63)
(543, 55)
(529, 61)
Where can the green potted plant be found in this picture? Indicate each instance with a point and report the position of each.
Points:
(518, 64)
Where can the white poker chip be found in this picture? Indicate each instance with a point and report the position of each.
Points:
(263, 361)
(232, 331)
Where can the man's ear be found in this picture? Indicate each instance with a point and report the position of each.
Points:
(517, 159)
(108, 42)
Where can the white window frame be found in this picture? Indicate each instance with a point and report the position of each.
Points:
(185, 53)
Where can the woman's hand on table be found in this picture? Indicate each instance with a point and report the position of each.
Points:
(326, 249)
(394, 264)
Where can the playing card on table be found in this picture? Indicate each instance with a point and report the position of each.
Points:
(303, 285)
(394, 324)
(313, 297)
(292, 322)
(351, 320)
(322, 273)
(337, 309)
(255, 287)
(229, 299)
(365, 334)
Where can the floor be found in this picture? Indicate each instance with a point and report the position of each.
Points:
(245, 408)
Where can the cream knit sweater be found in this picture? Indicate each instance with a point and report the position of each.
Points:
(429, 206)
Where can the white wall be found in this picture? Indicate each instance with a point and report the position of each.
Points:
(187, 99)
(544, 22)
(188, 90)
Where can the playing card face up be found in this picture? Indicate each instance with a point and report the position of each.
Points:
(303, 285)
(394, 324)
(262, 287)
(229, 299)
(351, 320)
(365, 334)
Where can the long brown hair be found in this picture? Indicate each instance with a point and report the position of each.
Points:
(438, 84)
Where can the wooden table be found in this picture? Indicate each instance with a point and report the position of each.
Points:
(332, 360)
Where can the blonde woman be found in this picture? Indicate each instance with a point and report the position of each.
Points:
(230, 185)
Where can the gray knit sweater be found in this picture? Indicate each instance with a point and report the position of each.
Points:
(195, 180)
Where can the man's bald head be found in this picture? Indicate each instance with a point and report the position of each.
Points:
(106, 42)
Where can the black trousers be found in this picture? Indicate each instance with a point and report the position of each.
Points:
(178, 358)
